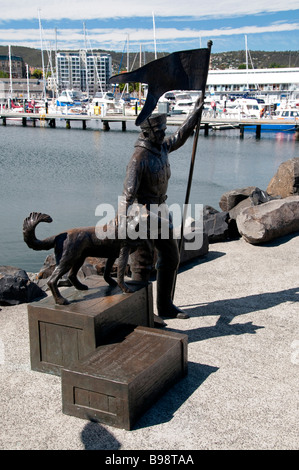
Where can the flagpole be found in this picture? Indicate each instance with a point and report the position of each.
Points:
(191, 168)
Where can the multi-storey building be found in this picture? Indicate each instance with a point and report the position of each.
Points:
(20, 89)
(273, 82)
(18, 69)
(85, 71)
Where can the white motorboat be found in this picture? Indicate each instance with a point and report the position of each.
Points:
(287, 113)
(105, 102)
(69, 98)
(243, 108)
(184, 106)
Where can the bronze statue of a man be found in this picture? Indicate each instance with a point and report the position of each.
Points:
(146, 183)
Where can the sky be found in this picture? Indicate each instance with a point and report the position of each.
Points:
(152, 25)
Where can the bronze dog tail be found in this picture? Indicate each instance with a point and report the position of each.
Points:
(29, 225)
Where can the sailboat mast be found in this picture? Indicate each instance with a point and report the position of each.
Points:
(128, 62)
(10, 72)
(154, 28)
(56, 66)
(27, 73)
(140, 52)
(42, 53)
(86, 65)
(246, 50)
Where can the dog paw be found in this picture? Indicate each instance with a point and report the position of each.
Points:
(77, 284)
(126, 289)
(62, 301)
(111, 282)
(81, 287)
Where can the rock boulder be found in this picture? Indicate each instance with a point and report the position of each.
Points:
(231, 198)
(16, 287)
(192, 247)
(273, 219)
(215, 224)
(286, 180)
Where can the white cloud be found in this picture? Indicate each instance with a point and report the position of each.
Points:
(62, 13)
(97, 37)
(92, 9)
(274, 28)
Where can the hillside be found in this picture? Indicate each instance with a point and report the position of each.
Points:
(259, 59)
(233, 59)
(30, 56)
(33, 57)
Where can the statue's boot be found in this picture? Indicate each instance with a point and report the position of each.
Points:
(165, 306)
(142, 276)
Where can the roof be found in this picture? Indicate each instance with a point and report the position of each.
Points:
(257, 76)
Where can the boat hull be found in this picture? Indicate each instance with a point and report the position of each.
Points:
(272, 128)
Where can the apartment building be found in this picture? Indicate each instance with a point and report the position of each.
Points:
(18, 69)
(85, 71)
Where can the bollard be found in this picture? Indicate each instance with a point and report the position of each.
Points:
(106, 126)
(241, 131)
(258, 131)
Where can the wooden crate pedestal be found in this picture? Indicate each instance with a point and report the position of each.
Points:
(118, 381)
(63, 334)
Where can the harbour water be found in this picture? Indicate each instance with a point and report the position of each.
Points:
(67, 173)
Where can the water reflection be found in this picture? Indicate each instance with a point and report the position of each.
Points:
(67, 173)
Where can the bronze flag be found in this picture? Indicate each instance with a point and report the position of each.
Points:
(182, 70)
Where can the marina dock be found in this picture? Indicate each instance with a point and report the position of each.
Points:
(207, 123)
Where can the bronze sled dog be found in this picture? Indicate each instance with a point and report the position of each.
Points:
(73, 246)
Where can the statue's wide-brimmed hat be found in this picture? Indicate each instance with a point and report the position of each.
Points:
(155, 121)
